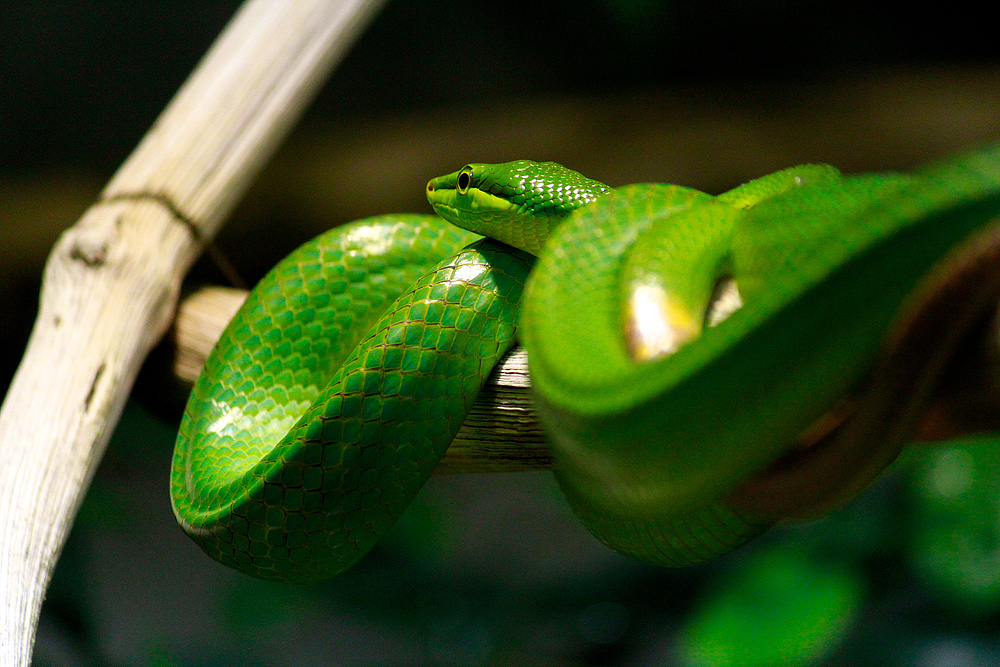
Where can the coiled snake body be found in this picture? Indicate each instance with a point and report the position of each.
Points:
(340, 383)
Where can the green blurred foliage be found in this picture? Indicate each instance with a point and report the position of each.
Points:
(956, 541)
(784, 606)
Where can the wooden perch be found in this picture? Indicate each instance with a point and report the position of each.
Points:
(111, 282)
(501, 434)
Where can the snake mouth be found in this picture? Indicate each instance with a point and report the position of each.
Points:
(441, 195)
(449, 213)
(442, 200)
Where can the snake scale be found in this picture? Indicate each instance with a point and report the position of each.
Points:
(342, 380)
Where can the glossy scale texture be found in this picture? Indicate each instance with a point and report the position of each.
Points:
(519, 203)
(335, 390)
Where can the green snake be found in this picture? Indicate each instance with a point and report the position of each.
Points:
(338, 386)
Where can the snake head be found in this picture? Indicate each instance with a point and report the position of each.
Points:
(517, 203)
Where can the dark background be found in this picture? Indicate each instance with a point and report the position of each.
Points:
(493, 570)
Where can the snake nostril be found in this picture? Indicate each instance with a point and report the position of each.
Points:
(430, 186)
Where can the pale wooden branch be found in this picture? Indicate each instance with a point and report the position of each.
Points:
(112, 280)
(501, 433)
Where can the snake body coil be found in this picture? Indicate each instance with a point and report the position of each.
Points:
(336, 389)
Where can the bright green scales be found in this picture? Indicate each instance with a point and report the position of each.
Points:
(300, 447)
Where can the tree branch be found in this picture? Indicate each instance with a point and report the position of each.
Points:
(111, 283)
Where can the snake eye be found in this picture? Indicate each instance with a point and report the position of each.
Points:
(464, 180)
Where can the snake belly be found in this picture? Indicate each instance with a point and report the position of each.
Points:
(335, 390)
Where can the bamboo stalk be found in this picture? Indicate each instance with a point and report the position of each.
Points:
(111, 282)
